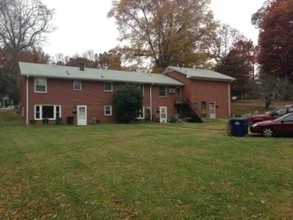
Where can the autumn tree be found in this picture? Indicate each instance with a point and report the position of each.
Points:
(77, 61)
(23, 27)
(239, 63)
(8, 82)
(110, 59)
(171, 32)
(107, 60)
(275, 23)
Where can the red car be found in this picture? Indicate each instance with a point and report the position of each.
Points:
(280, 126)
(276, 113)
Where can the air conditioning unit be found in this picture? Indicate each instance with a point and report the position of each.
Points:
(171, 91)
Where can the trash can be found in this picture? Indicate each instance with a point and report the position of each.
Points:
(238, 127)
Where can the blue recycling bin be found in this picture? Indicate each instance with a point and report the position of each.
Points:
(238, 127)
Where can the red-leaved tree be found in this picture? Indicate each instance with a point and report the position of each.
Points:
(275, 23)
(239, 63)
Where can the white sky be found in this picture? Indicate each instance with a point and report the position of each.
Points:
(83, 25)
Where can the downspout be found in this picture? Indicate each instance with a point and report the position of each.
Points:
(229, 99)
(27, 101)
(151, 103)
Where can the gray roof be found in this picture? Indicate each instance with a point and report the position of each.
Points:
(68, 72)
(199, 74)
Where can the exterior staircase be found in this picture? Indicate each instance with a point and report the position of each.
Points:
(187, 112)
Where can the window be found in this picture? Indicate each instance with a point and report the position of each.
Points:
(141, 113)
(289, 118)
(108, 110)
(76, 85)
(162, 91)
(40, 85)
(51, 112)
(108, 87)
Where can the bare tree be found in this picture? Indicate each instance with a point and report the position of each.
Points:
(227, 37)
(23, 24)
(89, 54)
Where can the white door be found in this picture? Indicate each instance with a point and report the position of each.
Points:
(212, 107)
(81, 115)
(163, 114)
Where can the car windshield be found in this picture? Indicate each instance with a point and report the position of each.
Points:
(288, 117)
(277, 112)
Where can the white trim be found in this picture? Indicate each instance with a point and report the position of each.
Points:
(107, 106)
(35, 85)
(80, 85)
(78, 120)
(165, 119)
(41, 111)
(108, 90)
(212, 111)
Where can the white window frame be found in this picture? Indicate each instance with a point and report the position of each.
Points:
(76, 85)
(42, 84)
(162, 90)
(40, 112)
(105, 87)
(142, 113)
(106, 109)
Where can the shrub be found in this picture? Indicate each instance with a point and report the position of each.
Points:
(127, 103)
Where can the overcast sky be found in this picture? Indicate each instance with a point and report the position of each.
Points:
(83, 25)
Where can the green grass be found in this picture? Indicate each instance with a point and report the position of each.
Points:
(143, 171)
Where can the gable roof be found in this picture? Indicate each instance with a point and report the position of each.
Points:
(69, 72)
(199, 74)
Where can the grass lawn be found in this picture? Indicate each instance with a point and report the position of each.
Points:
(246, 107)
(143, 171)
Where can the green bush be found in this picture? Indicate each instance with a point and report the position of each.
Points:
(127, 103)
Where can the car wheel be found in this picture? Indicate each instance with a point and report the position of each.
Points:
(267, 132)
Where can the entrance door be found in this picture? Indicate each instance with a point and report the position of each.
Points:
(178, 95)
(163, 114)
(212, 110)
(81, 115)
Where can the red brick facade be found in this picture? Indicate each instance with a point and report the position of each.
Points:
(207, 98)
(197, 92)
(92, 95)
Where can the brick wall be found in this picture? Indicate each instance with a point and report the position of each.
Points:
(60, 92)
(198, 91)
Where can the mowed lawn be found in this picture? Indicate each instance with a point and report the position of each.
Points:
(143, 171)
